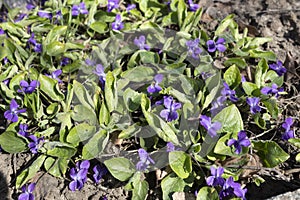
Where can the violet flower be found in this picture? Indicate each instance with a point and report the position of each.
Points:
(170, 113)
(130, 7)
(278, 68)
(30, 6)
(23, 130)
(79, 175)
(242, 141)
(216, 177)
(226, 91)
(112, 4)
(117, 25)
(145, 160)
(141, 43)
(55, 75)
(154, 87)
(193, 6)
(65, 61)
(79, 9)
(219, 45)
(217, 105)
(36, 46)
(6, 82)
(193, 48)
(2, 32)
(27, 192)
(21, 17)
(287, 126)
(90, 62)
(100, 73)
(28, 88)
(99, 172)
(35, 144)
(271, 90)
(12, 114)
(253, 102)
(211, 128)
(231, 189)
(170, 147)
(45, 14)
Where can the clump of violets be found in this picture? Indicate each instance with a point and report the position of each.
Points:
(154, 87)
(79, 9)
(23, 130)
(278, 68)
(212, 46)
(99, 172)
(12, 113)
(35, 144)
(141, 43)
(231, 189)
(253, 102)
(211, 128)
(226, 91)
(193, 6)
(27, 192)
(171, 107)
(216, 177)
(78, 175)
(27, 87)
(145, 160)
(288, 133)
(54, 75)
(242, 141)
(117, 24)
(112, 4)
(193, 48)
(274, 90)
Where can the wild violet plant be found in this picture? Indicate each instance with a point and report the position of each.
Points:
(105, 81)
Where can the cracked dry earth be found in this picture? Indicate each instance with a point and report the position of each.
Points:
(279, 19)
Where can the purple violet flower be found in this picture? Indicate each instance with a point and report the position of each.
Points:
(117, 25)
(45, 14)
(100, 73)
(28, 88)
(170, 147)
(226, 91)
(32, 40)
(2, 32)
(217, 105)
(193, 6)
(98, 173)
(141, 43)
(21, 17)
(23, 130)
(79, 175)
(55, 75)
(35, 144)
(145, 160)
(278, 68)
(154, 87)
(287, 126)
(219, 45)
(271, 90)
(30, 6)
(79, 9)
(231, 189)
(193, 48)
(216, 177)
(242, 141)
(253, 102)
(12, 114)
(130, 7)
(65, 61)
(211, 128)
(112, 4)
(27, 192)
(170, 113)
(6, 81)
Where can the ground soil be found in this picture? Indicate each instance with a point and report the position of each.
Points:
(279, 19)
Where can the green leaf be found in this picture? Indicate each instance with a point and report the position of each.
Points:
(55, 48)
(232, 76)
(95, 145)
(140, 189)
(207, 193)
(80, 132)
(259, 121)
(84, 114)
(121, 168)
(270, 153)
(139, 74)
(148, 57)
(111, 93)
(249, 87)
(224, 24)
(273, 77)
(180, 163)
(268, 55)
(230, 118)
(83, 95)
(132, 99)
(56, 167)
(295, 142)
(104, 116)
(99, 27)
(298, 157)
(30, 172)
(181, 12)
(260, 73)
(59, 149)
(272, 107)
(170, 184)
(240, 62)
(12, 143)
(50, 88)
